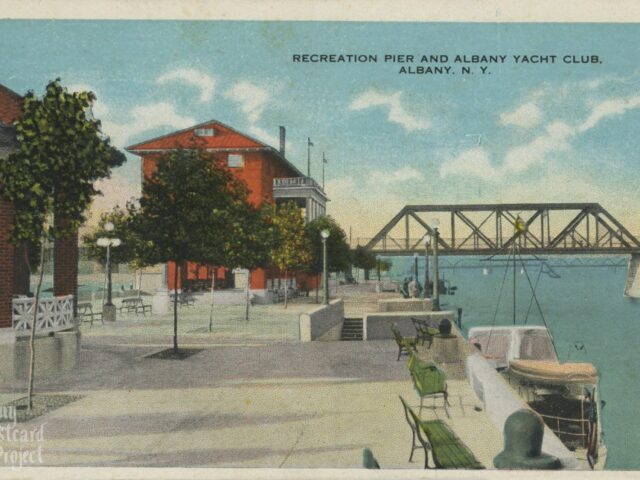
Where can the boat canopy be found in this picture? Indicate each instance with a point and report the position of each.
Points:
(501, 345)
(540, 371)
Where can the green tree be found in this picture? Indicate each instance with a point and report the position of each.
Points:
(338, 253)
(364, 259)
(185, 214)
(50, 178)
(129, 251)
(248, 241)
(293, 249)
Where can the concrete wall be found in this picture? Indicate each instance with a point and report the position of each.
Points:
(324, 323)
(377, 326)
(405, 305)
(54, 354)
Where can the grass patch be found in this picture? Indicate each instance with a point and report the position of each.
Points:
(171, 354)
(42, 404)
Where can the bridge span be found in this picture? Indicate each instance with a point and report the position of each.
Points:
(489, 229)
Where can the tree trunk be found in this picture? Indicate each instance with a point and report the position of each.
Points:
(247, 302)
(32, 339)
(286, 290)
(175, 307)
(139, 275)
(213, 290)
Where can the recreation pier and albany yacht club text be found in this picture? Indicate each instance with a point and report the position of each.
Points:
(442, 59)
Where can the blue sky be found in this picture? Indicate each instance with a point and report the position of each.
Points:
(523, 133)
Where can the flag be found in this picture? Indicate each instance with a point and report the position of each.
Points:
(309, 142)
(324, 160)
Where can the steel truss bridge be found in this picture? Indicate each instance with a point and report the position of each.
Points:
(489, 229)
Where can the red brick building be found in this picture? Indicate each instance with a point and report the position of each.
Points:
(269, 176)
(14, 270)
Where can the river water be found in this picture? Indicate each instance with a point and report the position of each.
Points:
(588, 316)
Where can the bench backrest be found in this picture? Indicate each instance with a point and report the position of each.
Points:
(396, 333)
(427, 377)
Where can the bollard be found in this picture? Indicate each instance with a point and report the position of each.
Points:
(523, 432)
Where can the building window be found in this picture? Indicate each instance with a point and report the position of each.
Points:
(204, 132)
(235, 160)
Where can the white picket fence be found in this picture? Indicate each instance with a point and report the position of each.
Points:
(54, 315)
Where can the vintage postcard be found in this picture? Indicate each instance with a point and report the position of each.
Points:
(266, 240)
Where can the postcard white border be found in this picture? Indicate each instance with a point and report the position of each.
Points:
(485, 11)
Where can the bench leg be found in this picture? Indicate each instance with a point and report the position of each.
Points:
(413, 445)
(446, 402)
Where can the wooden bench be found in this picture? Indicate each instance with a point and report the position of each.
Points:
(134, 305)
(405, 344)
(424, 330)
(185, 299)
(85, 313)
(447, 450)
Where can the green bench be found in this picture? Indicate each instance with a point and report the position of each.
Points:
(405, 344)
(429, 381)
(447, 450)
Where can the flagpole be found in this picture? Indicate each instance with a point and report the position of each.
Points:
(324, 160)
(309, 156)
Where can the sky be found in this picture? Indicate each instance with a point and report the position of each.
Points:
(523, 132)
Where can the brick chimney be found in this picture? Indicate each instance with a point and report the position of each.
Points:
(283, 135)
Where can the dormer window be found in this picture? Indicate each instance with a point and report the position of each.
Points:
(235, 160)
(204, 132)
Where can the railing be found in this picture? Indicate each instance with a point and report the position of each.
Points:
(54, 314)
(295, 182)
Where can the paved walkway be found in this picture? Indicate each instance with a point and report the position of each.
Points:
(269, 405)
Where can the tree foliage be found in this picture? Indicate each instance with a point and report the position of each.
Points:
(363, 258)
(385, 265)
(338, 253)
(61, 154)
(132, 245)
(293, 249)
(188, 209)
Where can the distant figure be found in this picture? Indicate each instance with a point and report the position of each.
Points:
(404, 290)
(414, 288)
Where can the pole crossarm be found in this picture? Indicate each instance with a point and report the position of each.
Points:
(489, 229)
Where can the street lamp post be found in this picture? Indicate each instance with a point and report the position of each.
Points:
(415, 267)
(436, 274)
(425, 241)
(108, 309)
(324, 234)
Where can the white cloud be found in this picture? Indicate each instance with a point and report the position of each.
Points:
(555, 138)
(251, 98)
(609, 108)
(264, 136)
(202, 81)
(474, 162)
(396, 112)
(144, 118)
(404, 174)
(527, 115)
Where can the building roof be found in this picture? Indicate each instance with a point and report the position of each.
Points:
(10, 105)
(225, 138)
